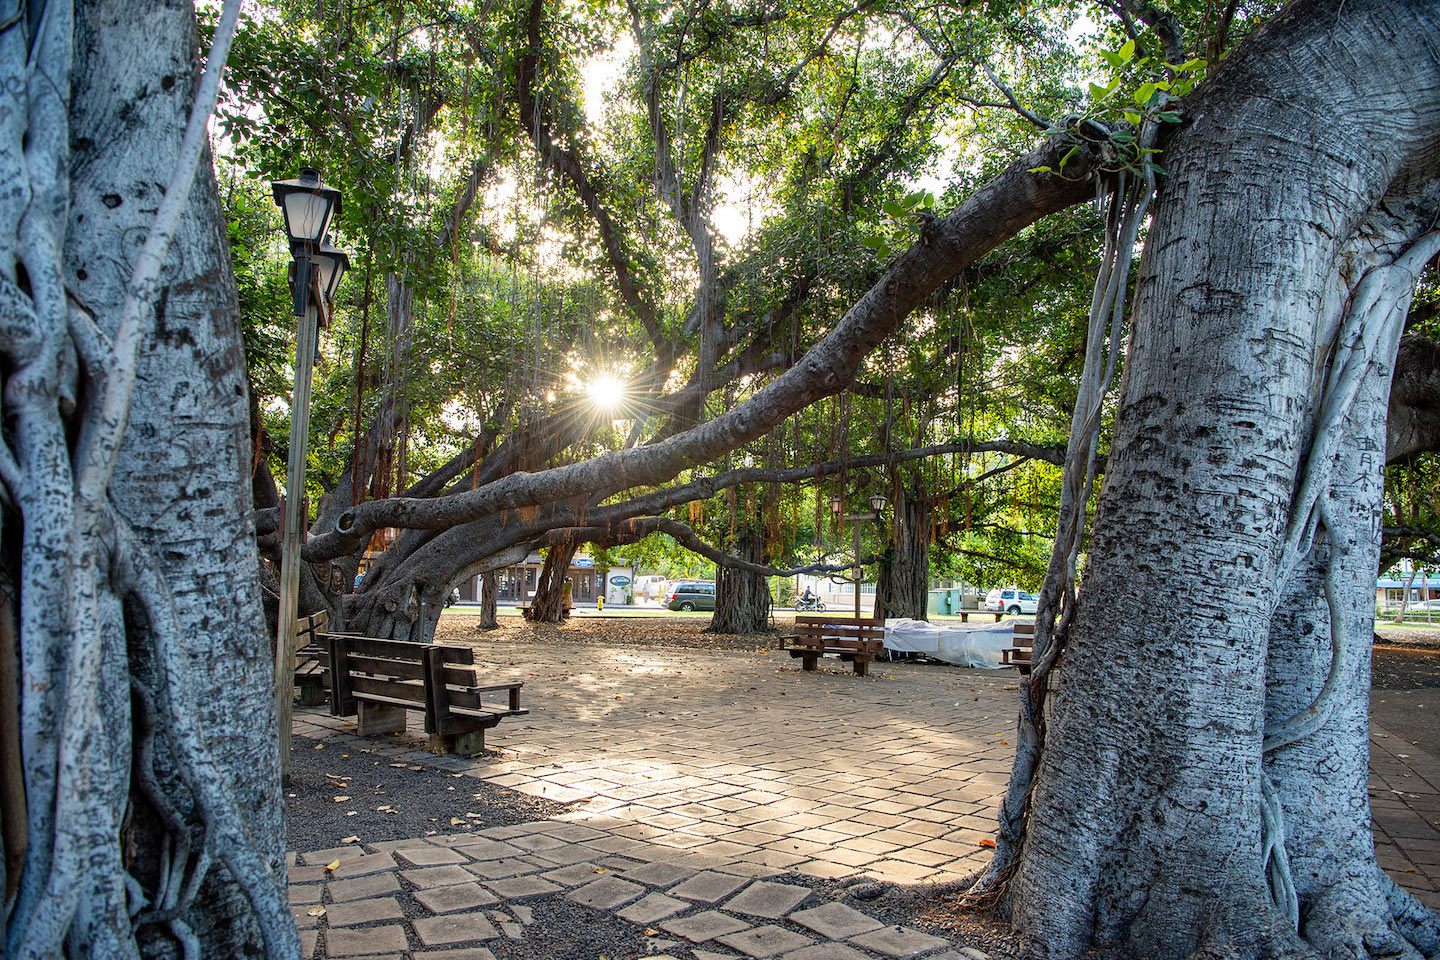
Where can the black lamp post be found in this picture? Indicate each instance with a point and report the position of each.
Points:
(877, 503)
(309, 206)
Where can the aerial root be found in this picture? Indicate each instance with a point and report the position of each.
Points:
(225, 829)
(1410, 918)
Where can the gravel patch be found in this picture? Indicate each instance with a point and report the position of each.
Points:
(389, 801)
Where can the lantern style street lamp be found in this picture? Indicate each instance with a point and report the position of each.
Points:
(309, 207)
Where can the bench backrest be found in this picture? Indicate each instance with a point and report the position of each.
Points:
(858, 632)
(395, 669)
(308, 629)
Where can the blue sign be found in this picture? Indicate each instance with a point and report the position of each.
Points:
(582, 562)
(621, 581)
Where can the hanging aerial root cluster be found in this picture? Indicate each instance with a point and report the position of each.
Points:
(1125, 201)
(105, 687)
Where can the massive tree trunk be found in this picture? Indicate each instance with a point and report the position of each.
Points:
(489, 602)
(550, 593)
(742, 597)
(1180, 748)
(903, 586)
(146, 708)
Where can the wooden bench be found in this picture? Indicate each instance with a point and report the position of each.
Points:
(379, 680)
(1021, 655)
(857, 639)
(312, 660)
(964, 615)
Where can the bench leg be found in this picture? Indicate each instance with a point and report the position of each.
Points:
(807, 661)
(465, 744)
(378, 718)
(862, 667)
(312, 694)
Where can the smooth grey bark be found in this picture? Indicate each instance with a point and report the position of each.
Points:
(1145, 827)
(742, 597)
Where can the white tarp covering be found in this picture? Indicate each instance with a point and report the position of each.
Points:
(961, 644)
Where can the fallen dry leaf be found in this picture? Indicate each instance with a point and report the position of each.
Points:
(987, 842)
(316, 911)
(340, 799)
(332, 866)
(349, 839)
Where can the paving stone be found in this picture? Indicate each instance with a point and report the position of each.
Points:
(524, 914)
(708, 887)
(459, 896)
(429, 856)
(356, 912)
(301, 893)
(360, 887)
(456, 928)
(319, 858)
(836, 921)
(654, 907)
(659, 874)
(700, 927)
(827, 951)
(898, 942)
(769, 900)
(500, 869)
(308, 939)
(522, 888)
(485, 849)
(711, 955)
(606, 894)
(306, 874)
(303, 919)
(363, 865)
(464, 953)
(762, 942)
(444, 876)
(573, 875)
(352, 942)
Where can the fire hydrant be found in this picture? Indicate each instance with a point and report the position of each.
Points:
(599, 604)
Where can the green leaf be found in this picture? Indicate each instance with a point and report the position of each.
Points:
(1132, 117)
(1127, 51)
(1068, 155)
(1041, 170)
(894, 209)
(1144, 93)
(1098, 92)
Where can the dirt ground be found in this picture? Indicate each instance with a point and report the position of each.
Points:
(605, 631)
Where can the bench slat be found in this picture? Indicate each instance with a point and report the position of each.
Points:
(402, 649)
(412, 693)
(407, 670)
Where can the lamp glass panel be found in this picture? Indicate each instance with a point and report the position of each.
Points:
(307, 215)
(878, 502)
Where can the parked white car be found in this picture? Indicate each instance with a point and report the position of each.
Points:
(1011, 601)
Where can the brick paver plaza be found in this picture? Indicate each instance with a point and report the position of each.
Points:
(697, 774)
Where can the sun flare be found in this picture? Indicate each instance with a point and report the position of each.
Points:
(606, 392)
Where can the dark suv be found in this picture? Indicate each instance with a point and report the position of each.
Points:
(691, 595)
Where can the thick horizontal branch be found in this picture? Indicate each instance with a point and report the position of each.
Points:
(638, 528)
(1007, 204)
